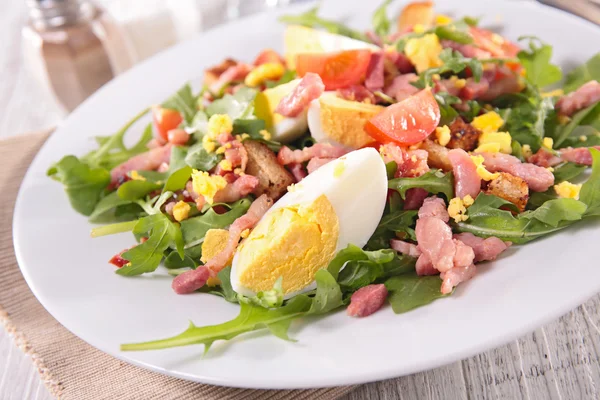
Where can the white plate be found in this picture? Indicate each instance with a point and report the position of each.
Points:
(69, 274)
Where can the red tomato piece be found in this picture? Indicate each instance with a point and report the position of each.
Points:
(268, 56)
(337, 70)
(407, 122)
(164, 120)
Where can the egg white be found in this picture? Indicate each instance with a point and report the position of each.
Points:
(357, 191)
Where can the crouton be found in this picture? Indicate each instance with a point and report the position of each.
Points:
(463, 136)
(437, 155)
(212, 74)
(416, 13)
(510, 188)
(262, 163)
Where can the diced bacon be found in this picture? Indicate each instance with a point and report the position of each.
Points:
(374, 38)
(544, 158)
(237, 155)
(485, 249)
(322, 150)
(148, 161)
(178, 137)
(503, 85)
(414, 198)
(400, 61)
(375, 77)
(408, 249)
(241, 187)
(232, 74)
(411, 163)
(466, 50)
(435, 241)
(357, 93)
(446, 85)
(579, 155)
(309, 88)
(366, 300)
(169, 207)
(401, 87)
(583, 97)
(466, 179)
(316, 163)
(474, 90)
(158, 141)
(117, 260)
(539, 179)
(434, 207)
(224, 138)
(298, 171)
(248, 221)
(454, 276)
(164, 167)
(424, 266)
(191, 280)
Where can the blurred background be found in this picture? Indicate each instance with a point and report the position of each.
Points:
(55, 53)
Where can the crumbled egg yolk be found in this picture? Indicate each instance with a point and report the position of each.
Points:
(583, 138)
(526, 150)
(238, 171)
(207, 185)
(217, 124)
(550, 169)
(226, 165)
(220, 150)
(181, 211)
(215, 241)
(424, 52)
(488, 122)
(136, 176)
(242, 137)
(291, 242)
(458, 208)
(481, 171)
(419, 28)
(563, 119)
(553, 93)
(442, 133)
(494, 142)
(265, 134)
(264, 72)
(442, 19)
(567, 190)
(548, 143)
(458, 83)
(339, 168)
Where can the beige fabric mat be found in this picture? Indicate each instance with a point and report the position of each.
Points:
(70, 368)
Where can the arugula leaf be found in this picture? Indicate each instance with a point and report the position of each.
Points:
(110, 209)
(288, 76)
(454, 62)
(391, 223)
(583, 74)
(112, 150)
(328, 296)
(266, 298)
(457, 32)
(590, 136)
(567, 171)
(590, 191)
(555, 211)
(134, 190)
(539, 71)
(312, 20)
(526, 120)
(173, 261)
(238, 105)
(250, 318)
(145, 257)
(84, 185)
(225, 290)
(178, 179)
(380, 21)
(587, 116)
(200, 159)
(183, 101)
(434, 181)
(445, 101)
(410, 291)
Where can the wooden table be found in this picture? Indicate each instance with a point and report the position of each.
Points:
(558, 361)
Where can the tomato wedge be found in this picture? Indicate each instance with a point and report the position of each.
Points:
(407, 122)
(164, 120)
(337, 70)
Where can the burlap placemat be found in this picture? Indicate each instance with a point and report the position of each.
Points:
(70, 368)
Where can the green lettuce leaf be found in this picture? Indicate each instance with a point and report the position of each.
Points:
(84, 185)
(434, 181)
(238, 106)
(539, 70)
(407, 292)
(583, 74)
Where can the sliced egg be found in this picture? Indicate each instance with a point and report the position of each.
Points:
(341, 203)
(341, 122)
(283, 129)
(300, 39)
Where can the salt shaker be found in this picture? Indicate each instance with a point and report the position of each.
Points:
(73, 47)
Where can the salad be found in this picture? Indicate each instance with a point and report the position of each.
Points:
(359, 168)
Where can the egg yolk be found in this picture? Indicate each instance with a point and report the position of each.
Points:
(424, 52)
(291, 242)
(215, 242)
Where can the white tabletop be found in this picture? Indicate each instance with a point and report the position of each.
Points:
(558, 361)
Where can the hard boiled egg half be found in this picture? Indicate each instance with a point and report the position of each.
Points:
(341, 203)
